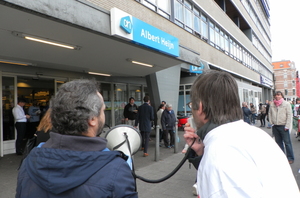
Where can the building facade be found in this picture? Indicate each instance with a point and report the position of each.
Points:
(286, 79)
(138, 47)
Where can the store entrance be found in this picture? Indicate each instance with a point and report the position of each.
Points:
(32, 90)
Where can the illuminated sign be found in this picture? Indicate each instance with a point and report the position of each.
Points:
(126, 26)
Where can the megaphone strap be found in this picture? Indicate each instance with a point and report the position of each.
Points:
(119, 145)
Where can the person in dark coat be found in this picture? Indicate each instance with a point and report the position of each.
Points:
(143, 119)
(168, 121)
(75, 161)
(246, 112)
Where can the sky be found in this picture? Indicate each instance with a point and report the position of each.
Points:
(285, 29)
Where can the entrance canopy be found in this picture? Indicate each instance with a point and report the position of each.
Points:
(96, 52)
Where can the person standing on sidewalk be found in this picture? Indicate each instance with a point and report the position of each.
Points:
(239, 160)
(246, 112)
(159, 112)
(253, 113)
(21, 122)
(143, 120)
(280, 116)
(75, 161)
(130, 112)
(168, 121)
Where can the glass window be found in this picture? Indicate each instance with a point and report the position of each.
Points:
(286, 92)
(178, 11)
(196, 23)
(121, 99)
(285, 83)
(294, 91)
(204, 28)
(8, 96)
(217, 37)
(222, 40)
(212, 33)
(226, 44)
(188, 14)
(105, 92)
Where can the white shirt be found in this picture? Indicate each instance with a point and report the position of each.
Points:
(19, 114)
(159, 113)
(241, 160)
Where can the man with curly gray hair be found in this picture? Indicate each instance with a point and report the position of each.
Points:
(75, 162)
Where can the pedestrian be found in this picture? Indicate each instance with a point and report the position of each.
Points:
(267, 113)
(246, 112)
(168, 121)
(130, 112)
(280, 116)
(262, 110)
(253, 113)
(20, 124)
(34, 112)
(239, 160)
(75, 162)
(159, 112)
(44, 128)
(143, 120)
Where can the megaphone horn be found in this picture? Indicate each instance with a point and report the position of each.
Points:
(119, 135)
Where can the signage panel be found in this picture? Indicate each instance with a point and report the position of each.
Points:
(128, 27)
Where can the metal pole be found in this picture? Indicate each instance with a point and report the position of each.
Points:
(157, 144)
(176, 137)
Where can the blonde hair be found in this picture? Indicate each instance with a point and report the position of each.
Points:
(45, 124)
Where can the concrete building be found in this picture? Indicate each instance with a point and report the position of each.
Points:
(285, 78)
(136, 47)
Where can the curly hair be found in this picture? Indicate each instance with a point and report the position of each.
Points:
(75, 103)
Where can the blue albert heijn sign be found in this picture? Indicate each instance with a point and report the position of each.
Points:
(131, 28)
(197, 69)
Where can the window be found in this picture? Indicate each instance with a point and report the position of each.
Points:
(285, 83)
(293, 83)
(286, 92)
(212, 33)
(163, 7)
(197, 20)
(281, 65)
(294, 91)
(284, 75)
(178, 13)
(204, 26)
(188, 19)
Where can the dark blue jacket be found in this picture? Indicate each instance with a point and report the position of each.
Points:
(247, 113)
(75, 166)
(144, 117)
(168, 120)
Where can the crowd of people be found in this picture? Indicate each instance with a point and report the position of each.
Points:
(235, 158)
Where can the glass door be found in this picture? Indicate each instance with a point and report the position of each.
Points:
(8, 102)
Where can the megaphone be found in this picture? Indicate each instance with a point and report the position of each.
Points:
(124, 138)
(127, 139)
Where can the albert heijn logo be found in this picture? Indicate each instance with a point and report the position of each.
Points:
(126, 24)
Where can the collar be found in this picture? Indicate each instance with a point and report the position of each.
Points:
(74, 142)
(203, 131)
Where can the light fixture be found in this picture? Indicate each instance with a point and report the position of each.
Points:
(99, 74)
(46, 41)
(15, 62)
(140, 63)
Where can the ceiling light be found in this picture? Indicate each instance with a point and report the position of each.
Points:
(99, 74)
(140, 63)
(14, 62)
(46, 41)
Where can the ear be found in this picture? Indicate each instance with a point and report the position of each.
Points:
(93, 121)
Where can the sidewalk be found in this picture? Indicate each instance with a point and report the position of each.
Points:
(178, 186)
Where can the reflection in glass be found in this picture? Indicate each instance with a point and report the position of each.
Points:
(8, 104)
